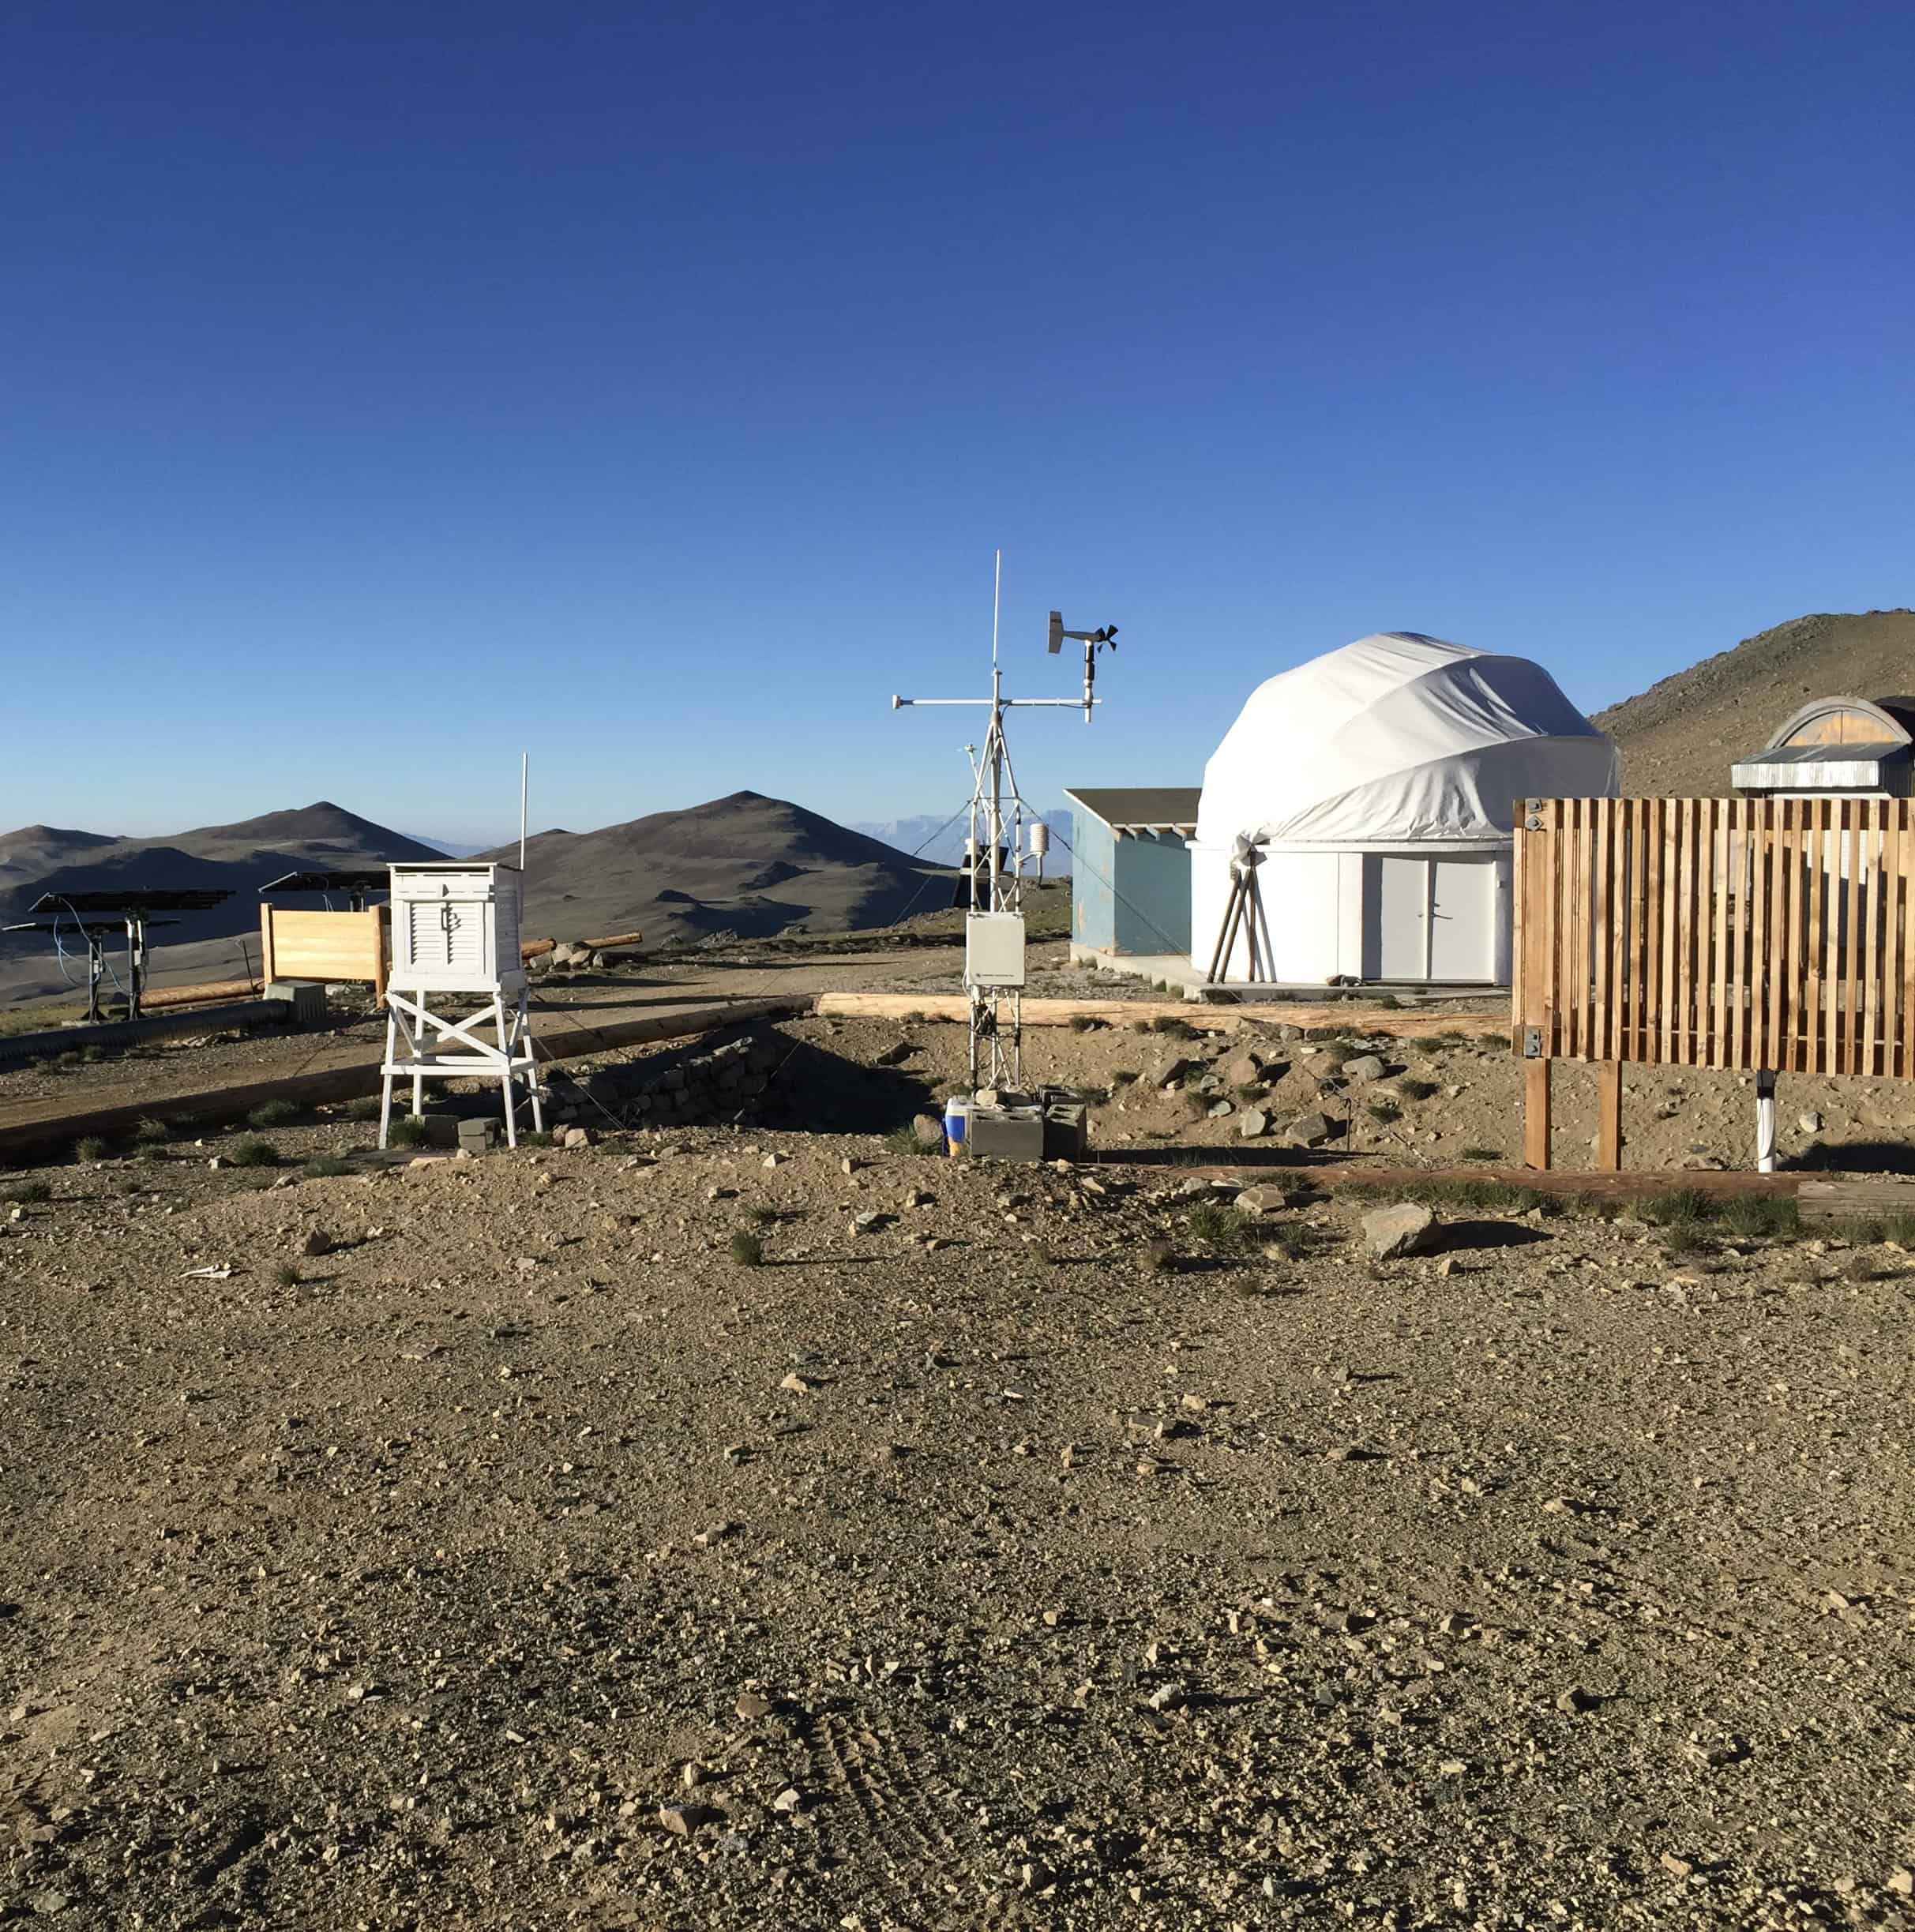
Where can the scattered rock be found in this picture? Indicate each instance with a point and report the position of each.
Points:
(1810, 1122)
(318, 1242)
(1254, 1124)
(577, 1137)
(1405, 1228)
(1172, 1067)
(1365, 1067)
(929, 1129)
(752, 1707)
(1313, 1129)
(1262, 1200)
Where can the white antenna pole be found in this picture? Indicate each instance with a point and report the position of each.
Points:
(525, 765)
(997, 588)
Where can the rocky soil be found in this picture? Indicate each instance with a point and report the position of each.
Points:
(731, 1525)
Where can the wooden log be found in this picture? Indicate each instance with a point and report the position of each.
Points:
(1536, 1114)
(1392, 1023)
(613, 942)
(208, 993)
(1642, 1184)
(1855, 1200)
(1609, 1116)
(534, 949)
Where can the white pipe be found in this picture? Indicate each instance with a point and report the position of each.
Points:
(525, 764)
(1765, 1123)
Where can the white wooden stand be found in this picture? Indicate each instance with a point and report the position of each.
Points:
(426, 1036)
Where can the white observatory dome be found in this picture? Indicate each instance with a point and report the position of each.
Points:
(1395, 739)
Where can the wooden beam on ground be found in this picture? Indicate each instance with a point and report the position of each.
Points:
(1536, 1121)
(612, 942)
(1855, 1200)
(1609, 1115)
(534, 949)
(161, 999)
(52, 1127)
(1395, 1022)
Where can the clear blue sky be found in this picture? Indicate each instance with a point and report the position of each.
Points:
(385, 388)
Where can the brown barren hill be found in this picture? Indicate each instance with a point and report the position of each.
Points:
(1679, 736)
(743, 864)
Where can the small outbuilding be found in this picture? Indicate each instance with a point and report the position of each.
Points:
(1130, 868)
(1835, 748)
(1377, 783)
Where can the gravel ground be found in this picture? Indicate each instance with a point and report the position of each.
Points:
(484, 1544)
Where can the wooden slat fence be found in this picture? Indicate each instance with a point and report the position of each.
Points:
(1747, 933)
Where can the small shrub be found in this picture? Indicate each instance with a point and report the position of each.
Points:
(1680, 1206)
(542, 1137)
(325, 1167)
(1899, 1228)
(89, 1147)
(1383, 1112)
(1176, 1028)
(1084, 1022)
(273, 1113)
(1334, 1052)
(409, 1132)
(150, 1133)
(28, 1191)
(133, 1185)
(365, 1108)
(1125, 1076)
(1219, 1225)
(1411, 1088)
(1756, 1216)
(1044, 1257)
(1196, 1102)
(1159, 1256)
(1248, 1090)
(904, 1140)
(287, 1275)
(93, 1055)
(747, 1249)
(1683, 1237)
(253, 1153)
(763, 1216)
(71, 1058)
(1489, 1155)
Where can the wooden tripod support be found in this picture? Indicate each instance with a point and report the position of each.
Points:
(1244, 910)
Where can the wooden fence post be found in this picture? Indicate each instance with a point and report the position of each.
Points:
(1536, 1113)
(266, 973)
(1609, 1116)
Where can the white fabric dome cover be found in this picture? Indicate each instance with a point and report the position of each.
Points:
(1396, 738)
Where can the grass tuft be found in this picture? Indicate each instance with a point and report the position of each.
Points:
(287, 1275)
(1217, 1224)
(904, 1140)
(1383, 1112)
(1411, 1088)
(1176, 1028)
(409, 1132)
(26, 1191)
(747, 1249)
(365, 1108)
(325, 1167)
(1488, 1156)
(253, 1153)
(1125, 1076)
(1084, 1023)
(1159, 1256)
(150, 1133)
(763, 1216)
(89, 1147)
(273, 1113)
(1756, 1216)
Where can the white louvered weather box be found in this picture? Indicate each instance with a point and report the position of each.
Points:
(455, 929)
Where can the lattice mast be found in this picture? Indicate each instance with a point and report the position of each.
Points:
(995, 936)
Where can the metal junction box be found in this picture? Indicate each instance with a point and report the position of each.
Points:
(994, 949)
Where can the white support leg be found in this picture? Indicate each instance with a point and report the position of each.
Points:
(531, 1066)
(1765, 1123)
(385, 1079)
(505, 1075)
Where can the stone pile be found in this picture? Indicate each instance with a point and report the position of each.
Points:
(704, 1088)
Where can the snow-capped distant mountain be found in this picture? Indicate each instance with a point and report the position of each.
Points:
(948, 847)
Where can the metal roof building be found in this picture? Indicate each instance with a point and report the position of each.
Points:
(1130, 869)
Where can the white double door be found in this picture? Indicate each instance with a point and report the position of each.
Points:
(1431, 918)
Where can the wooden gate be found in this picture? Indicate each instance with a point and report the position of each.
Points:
(1761, 934)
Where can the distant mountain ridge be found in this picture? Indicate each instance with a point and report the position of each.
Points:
(946, 846)
(240, 858)
(1679, 738)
